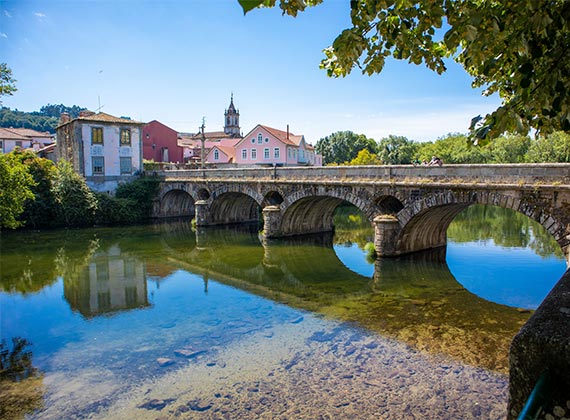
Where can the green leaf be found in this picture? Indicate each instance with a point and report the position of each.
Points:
(248, 5)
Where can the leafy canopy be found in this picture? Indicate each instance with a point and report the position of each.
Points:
(343, 146)
(7, 82)
(516, 48)
(16, 185)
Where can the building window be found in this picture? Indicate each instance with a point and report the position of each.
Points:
(98, 165)
(125, 136)
(216, 154)
(126, 165)
(253, 154)
(18, 143)
(96, 135)
(1, 146)
(276, 153)
(259, 138)
(266, 153)
(244, 154)
(266, 140)
(252, 141)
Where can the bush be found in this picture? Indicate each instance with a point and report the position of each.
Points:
(75, 202)
(142, 191)
(115, 211)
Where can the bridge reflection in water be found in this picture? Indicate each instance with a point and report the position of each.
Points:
(414, 298)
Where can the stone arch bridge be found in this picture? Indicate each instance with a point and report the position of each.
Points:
(410, 207)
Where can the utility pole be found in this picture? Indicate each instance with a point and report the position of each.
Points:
(203, 140)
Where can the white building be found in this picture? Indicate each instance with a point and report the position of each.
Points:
(23, 138)
(106, 150)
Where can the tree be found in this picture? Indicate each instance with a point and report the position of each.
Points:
(7, 82)
(552, 148)
(517, 49)
(397, 150)
(364, 157)
(39, 212)
(343, 146)
(509, 148)
(16, 185)
(452, 148)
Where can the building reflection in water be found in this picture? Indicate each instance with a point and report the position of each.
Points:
(111, 282)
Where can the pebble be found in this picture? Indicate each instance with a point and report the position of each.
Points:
(559, 411)
(164, 361)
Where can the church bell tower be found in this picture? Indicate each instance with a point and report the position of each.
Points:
(231, 125)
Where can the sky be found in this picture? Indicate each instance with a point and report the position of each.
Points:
(179, 61)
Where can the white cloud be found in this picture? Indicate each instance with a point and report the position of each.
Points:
(40, 15)
(7, 14)
(3, 35)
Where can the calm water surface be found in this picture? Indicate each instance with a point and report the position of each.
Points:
(163, 322)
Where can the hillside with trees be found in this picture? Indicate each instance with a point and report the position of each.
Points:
(45, 119)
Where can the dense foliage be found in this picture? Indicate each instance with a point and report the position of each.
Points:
(455, 148)
(46, 119)
(75, 202)
(15, 189)
(396, 150)
(518, 49)
(343, 146)
(7, 82)
(36, 193)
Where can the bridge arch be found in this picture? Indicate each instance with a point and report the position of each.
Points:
(361, 199)
(273, 198)
(424, 222)
(234, 204)
(176, 203)
(389, 204)
(311, 211)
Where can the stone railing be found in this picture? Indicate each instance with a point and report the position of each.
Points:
(533, 174)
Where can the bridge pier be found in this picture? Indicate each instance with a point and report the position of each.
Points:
(272, 222)
(386, 230)
(201, 212)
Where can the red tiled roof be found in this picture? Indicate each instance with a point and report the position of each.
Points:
(281, 135)
(228, 150)
(103, 118)
(192, 142)
(28, 132)
(6, 134)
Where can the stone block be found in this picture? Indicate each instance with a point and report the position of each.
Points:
(543, 343)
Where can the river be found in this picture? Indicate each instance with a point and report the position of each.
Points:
(161, 321)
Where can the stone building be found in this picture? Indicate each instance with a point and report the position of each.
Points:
(105, 149)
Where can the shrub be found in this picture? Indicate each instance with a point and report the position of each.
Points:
(75, 202)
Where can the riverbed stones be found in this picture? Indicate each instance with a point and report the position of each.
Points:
(189, 352)
(164, 361)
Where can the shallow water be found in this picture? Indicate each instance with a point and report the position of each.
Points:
(163, 322)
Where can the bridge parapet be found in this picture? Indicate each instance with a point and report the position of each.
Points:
(531, 174)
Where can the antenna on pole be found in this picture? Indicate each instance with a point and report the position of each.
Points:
(99, 106)
(203, 140)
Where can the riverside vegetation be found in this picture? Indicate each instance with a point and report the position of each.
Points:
(36, 193)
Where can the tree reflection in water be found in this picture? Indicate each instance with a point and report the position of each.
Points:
(21, 384)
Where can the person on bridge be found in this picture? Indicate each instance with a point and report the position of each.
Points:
(435, 161)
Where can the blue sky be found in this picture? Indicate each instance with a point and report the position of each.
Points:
(177, 61)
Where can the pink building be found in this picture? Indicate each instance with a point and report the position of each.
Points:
(221, 155)
(269, 146)
(160, 143)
